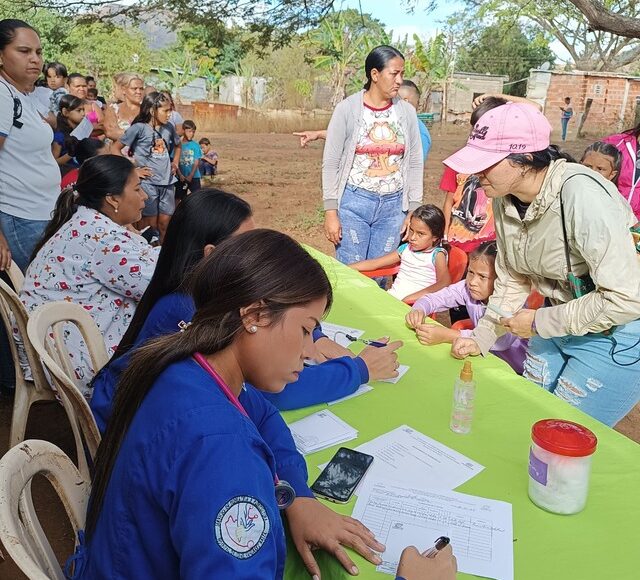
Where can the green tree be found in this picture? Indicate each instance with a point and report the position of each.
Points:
(506, 49)
(338, 47)
(590, 49)
(103, 50)
(53, 28)
(274, 21)
(433, 63)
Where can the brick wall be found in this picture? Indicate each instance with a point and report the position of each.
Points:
(611, 111)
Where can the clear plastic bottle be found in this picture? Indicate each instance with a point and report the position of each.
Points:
(464, 394)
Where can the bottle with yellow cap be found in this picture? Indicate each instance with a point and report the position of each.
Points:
(464, 394)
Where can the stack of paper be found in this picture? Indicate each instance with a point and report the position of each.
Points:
(319, 431)
(400, 515)
(409, 456)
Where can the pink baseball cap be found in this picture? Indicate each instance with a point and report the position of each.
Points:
(510, 128)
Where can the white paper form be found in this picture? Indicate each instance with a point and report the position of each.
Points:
(319, 431)
(362, 389)
(409, 456)
(402, 369)
(481, 530)
(83, 130)
(337, 332)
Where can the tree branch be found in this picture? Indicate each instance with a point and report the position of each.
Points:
(602, 19)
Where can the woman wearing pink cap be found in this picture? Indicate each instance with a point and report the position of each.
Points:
(564, 230)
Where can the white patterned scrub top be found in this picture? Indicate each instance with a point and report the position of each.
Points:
(94, 262)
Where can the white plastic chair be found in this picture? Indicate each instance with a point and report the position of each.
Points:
(52, 316)
(20, 530)
(58, 315)
(27, 392)
(16, 276)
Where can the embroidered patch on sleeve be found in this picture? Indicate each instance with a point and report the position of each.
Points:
(242, 526)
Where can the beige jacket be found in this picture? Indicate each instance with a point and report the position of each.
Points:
(531, 253)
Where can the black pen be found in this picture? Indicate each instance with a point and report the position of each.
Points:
(441, 543)
(365, 341)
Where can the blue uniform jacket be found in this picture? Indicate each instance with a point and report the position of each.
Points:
(318, 384)
(191, 494)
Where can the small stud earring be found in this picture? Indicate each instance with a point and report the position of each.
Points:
(253, 329)
(116, 210)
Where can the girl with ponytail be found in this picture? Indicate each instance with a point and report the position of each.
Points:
(88, 255)
(70, 115)
(185, 485)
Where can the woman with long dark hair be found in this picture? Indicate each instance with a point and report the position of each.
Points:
(372, 164)
(200, 223)
(184, 484)
(90, 257)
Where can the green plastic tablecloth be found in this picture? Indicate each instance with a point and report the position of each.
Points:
(602, 542)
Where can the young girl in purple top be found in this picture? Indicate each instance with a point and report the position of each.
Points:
(472, 292)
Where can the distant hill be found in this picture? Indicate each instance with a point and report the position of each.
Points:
(156, 25)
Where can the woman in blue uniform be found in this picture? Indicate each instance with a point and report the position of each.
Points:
(184, 485)
(201, 222)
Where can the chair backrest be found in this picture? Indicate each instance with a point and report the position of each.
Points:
(13, 312)
(40, 322)
(16, 276)
(20, 530)
(57, 315)
(458, 260)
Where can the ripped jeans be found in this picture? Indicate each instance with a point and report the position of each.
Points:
(581, 370)
(370, 223)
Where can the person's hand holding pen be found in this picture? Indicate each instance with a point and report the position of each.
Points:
(440, 565)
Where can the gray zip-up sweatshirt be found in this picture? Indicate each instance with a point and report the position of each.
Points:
(340, 151)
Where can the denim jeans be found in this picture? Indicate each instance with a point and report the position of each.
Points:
(582, 371)
(370, 223)
(564, 122)
(22, 235)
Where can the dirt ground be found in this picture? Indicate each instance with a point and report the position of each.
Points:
(282, 183)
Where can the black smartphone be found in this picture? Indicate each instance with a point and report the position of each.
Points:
(341, 476)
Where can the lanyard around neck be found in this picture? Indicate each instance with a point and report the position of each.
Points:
(204, 363)
(285, 494)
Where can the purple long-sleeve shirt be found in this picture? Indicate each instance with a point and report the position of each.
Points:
(509, 347)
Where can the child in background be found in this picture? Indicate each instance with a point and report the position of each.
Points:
(84, 149)
(56, 74)
(70, 115)
(190, 154)
(472, 292)
(151, 140)
(92, 97)
(603, 158)
(209, 159)
(423, 260)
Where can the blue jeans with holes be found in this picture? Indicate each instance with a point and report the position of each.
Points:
(582, 371)
(22, 235)
(370, 223)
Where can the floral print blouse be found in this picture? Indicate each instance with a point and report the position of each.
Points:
(98, 264)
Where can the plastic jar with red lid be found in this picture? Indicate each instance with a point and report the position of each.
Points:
(560, 465)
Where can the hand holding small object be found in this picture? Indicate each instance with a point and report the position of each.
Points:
(521, 323)
(414, 318)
